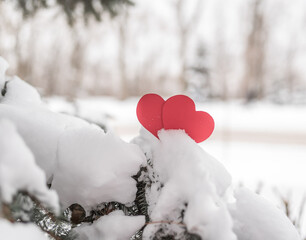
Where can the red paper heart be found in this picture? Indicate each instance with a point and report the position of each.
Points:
(179, 112)
(149, 112)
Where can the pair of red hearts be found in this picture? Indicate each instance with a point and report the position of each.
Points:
(178, 112)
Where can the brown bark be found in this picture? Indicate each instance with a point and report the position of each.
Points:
(253, 82)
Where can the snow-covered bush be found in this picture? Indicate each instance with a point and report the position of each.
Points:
(98, 167)
(166, 188)
(18, 170)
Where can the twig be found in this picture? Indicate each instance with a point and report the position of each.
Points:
(301, 212)
(7, 213)
(166, 222)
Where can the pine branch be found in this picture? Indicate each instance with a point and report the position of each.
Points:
(27, 208)
(90, 8)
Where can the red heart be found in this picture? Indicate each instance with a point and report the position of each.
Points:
(179, 113)
(149, 112)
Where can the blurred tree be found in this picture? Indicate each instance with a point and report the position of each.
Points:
(77, 59)
(199, 84)
(255, 55)
(186, 26)
(71, 8)
(223, 60)
(122, 48)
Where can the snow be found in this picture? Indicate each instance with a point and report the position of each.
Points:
(272, 164)
(281, 121)
(18, 91)
(250, 140)
(41, 130)
(185, 178)
(3, 67)
(187, 188)
(257, 117)
(21, 93)
(257, 219)
(94, 167)
(14, 231)
(39, 127)
(258, 143)
(187, 175)
(18, 170)
(114, 226)
(173, 150)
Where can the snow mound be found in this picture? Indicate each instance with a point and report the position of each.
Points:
(188, 186)
(18, 170)
(41, 130)
(257, 219)
(14, 231)
(114, 226)
(39, 127)
(21, 93)
(94, 167)
(17, 91)
(176, 150)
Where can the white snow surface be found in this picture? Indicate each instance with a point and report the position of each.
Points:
(176, 150)
(90, 166)
(3, 67)
(39, 127)
(41, 130)
(189, 176)
(258, 219)
(18, 91)
(95, 167)
(16, 231)
(18, 170)
(21, 93)
(114, 226)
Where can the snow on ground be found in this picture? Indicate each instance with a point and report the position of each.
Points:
(257, 117)
(274, 164)
(14, 231)
(258, 219)
(18, 170)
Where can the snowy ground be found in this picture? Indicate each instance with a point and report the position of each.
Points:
(259, 143)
